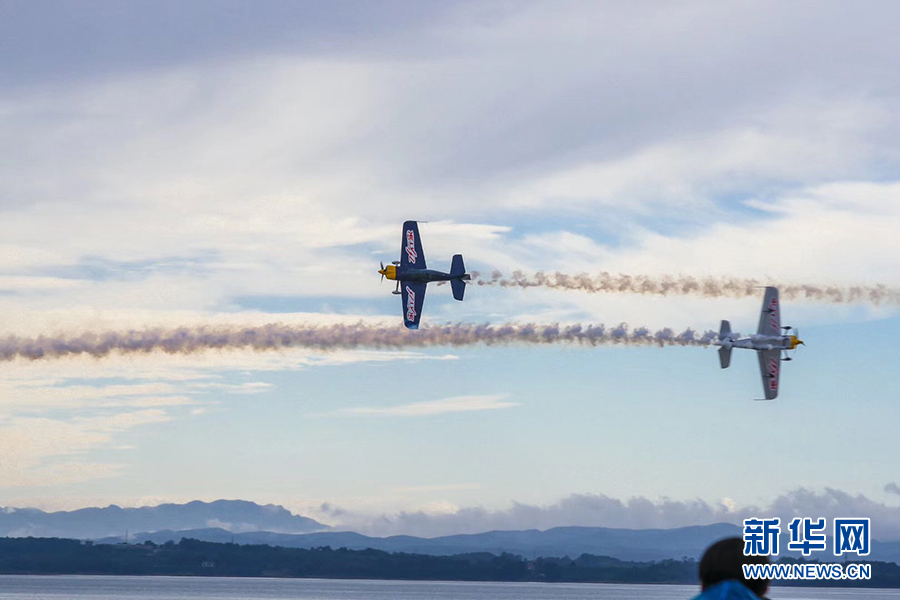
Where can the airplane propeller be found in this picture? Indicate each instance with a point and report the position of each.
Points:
(789, 354)
(382, 270)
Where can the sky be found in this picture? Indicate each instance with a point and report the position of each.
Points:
(232, 163)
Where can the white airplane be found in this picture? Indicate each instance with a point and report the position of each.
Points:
(770, 341)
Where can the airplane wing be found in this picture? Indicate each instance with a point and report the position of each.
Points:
(413, 300)
(411, 254)
(770, 315)
(770, 369)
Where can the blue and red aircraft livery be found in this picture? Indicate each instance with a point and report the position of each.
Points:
(412, 276)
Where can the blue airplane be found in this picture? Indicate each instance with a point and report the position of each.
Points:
(412, 276)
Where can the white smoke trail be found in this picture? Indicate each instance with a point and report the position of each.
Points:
(710, 287)
(277, 336)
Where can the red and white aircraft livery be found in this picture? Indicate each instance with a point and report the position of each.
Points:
(770, 341)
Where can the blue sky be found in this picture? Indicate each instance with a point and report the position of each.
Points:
(235, 163)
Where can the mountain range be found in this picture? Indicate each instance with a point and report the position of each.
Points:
(625, 544)
(94, 523)
(245, 522)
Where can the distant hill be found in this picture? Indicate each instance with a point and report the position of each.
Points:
(624, 544)
(244, 522)
(93, 523)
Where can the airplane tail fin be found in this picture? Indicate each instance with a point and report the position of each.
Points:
(459, 276)
(724, 330)
(724, 357)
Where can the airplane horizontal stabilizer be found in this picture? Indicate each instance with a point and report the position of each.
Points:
(724, 357)
(459, 288)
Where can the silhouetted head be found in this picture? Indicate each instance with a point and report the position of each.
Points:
(724, 559)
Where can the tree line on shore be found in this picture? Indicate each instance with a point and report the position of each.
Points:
(197, 558)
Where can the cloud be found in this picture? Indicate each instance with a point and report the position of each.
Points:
(251, 387)
(99, 39)
(269, 171)
(53, 420)
(834, 229)
(598, 510)
(430, 408)
(439, 487)
(35, 395)
(38, 451)
(173, 181)
(689, 174)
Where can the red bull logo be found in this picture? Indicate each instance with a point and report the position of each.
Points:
(411, 246)
(410, 304)
(774, 365)
(774, 323)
